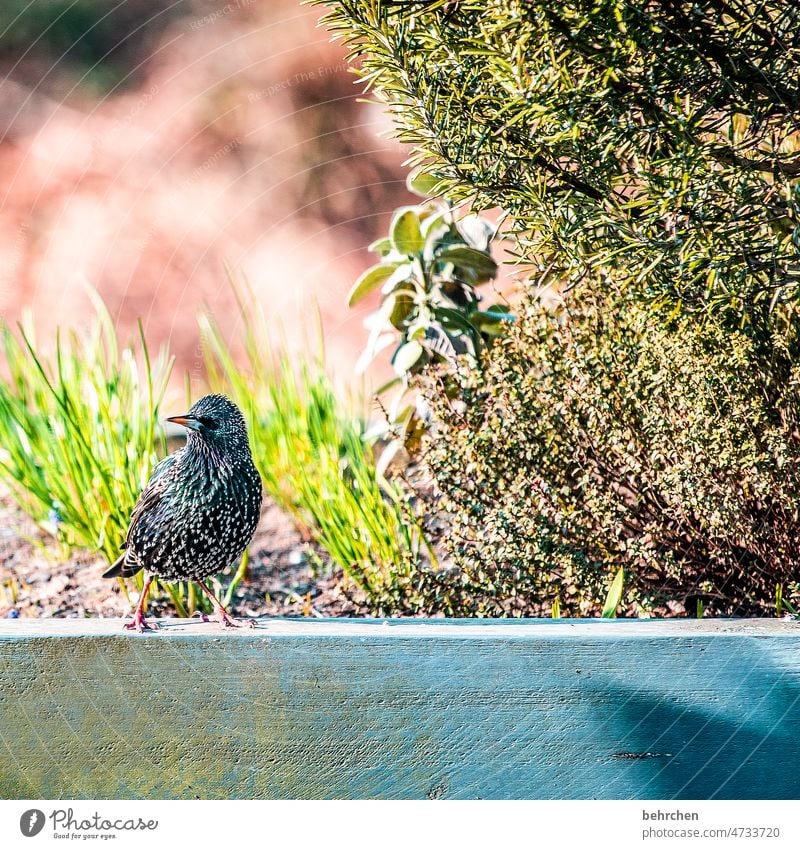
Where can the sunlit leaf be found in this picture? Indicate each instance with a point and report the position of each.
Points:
(370, 280)
(614, 596)
(405, 232)
(406, 356)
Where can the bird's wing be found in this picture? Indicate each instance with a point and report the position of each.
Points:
(152, 493)
(128, 563)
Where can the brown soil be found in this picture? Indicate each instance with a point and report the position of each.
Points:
(38, 580)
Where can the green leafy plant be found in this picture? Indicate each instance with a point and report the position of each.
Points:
(614, 596)
(430, 268)
(652, 422)
(316, 464)
(782, 604)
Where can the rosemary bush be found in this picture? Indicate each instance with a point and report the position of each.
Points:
(656, 143)
(647, 158)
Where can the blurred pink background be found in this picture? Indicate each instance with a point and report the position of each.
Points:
(234, 134)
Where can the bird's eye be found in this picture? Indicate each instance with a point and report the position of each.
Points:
(208, 423)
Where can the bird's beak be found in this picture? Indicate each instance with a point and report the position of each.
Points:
(187, 421)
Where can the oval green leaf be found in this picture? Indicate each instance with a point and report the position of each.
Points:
(406, 356)
(477, 231)
(401, 275)
(422, 183)
(368, 282)
(381, 246)
(479, 264)
(405, 232)
(402, 309)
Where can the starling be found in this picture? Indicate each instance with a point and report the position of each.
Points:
(200, 508)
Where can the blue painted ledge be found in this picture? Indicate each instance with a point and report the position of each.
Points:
(401, 709)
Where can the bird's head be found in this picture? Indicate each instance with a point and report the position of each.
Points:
(216, 422)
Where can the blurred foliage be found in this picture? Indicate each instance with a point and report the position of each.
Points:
(655, 144)
(99, 44)
(597, 438)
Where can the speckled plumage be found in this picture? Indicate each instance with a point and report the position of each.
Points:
(200, 508)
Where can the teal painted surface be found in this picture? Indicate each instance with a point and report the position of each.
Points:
(353, 709)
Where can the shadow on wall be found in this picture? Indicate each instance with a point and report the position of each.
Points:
(734, 732)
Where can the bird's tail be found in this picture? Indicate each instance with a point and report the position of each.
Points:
(122, 567)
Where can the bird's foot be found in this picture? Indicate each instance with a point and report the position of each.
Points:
(223, 617)
(140, 624)
(228, 622)
(225, 620)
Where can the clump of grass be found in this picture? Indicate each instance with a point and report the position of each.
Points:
(316, 464)
(80, 431)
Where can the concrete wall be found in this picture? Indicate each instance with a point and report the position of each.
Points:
(401, 709)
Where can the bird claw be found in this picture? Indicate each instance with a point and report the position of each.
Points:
(140, 624)
(228, 622)
(224, 619)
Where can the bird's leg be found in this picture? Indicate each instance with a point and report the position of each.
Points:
(223, 615)
(139, 623)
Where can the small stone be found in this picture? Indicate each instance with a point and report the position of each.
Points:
(297, 557)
